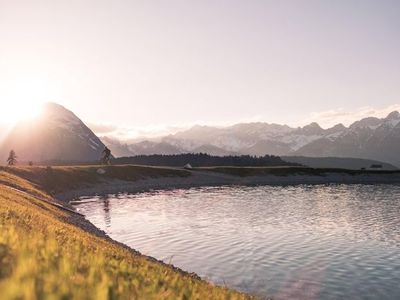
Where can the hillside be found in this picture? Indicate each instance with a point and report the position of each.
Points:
(51, 253)
(57, 134)
(56, 180)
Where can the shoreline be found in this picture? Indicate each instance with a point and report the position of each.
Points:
(56, 187)
(206, 178)
(42, 235)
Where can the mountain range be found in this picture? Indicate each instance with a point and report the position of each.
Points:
(58, 134)
(369, 138)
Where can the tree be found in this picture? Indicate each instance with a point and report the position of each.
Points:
(12, 158)
(106, 159)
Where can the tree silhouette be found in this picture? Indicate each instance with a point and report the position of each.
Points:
(204, 160)
(106, 159)
(12, 158)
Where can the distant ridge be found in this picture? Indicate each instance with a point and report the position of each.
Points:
(369, 138)
(59, 135)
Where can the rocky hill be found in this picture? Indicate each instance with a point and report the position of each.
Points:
(57, 134)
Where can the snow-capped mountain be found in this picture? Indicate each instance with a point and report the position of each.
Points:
(369, 138)
(57, 134)
(248, 138)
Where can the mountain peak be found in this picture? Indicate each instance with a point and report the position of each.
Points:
(312, 129)
(366, 122)
(337, 128)
(58, 134)
(54, 108)
(52, 104)
(54, 112)
(313, 125)
(394, 115)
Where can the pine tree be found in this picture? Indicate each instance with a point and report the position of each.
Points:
(12, 158)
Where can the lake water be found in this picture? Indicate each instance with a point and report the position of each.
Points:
(301, 242)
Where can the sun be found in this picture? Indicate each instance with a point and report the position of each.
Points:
(29, 110)
(21, 110)
(22, 98)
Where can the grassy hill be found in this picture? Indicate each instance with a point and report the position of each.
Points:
(46, 252)
(63, 178)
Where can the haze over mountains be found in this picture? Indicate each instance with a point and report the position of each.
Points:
(60, 135)
(369, 138)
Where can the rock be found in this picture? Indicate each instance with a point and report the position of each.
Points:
(101, 171)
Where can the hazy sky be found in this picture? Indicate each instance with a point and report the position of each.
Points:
(148, 64)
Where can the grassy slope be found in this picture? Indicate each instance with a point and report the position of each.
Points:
(44, 256)
(60, 179)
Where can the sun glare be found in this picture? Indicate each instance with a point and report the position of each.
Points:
(29, 110)
(23, 98)
(22, 111)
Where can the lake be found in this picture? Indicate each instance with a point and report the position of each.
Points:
(292, 242)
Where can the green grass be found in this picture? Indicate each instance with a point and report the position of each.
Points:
(44, 256)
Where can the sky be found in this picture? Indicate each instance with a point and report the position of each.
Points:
(155, 66)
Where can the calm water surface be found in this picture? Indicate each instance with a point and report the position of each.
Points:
(303, 242)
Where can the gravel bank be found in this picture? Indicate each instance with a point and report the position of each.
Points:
(206, 178)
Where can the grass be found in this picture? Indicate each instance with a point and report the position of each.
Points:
(60, 179)
(288, 171)
(43, 255)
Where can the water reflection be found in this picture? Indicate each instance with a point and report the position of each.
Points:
(106, 208)
(303, 242)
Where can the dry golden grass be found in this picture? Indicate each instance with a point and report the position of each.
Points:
(44, 256)
(60, 179)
